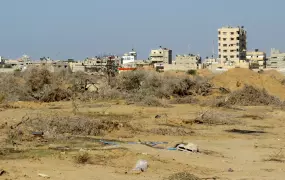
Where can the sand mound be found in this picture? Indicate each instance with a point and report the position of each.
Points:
(274, 74)
(205, 73)
(235, 79)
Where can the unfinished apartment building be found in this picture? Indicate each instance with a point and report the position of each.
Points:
(256, 59)
(189, 61)
(276, 60)
(161, 55)
(232, 44)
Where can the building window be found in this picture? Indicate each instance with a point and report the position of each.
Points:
(219, 50)
(237, 50)
(232, 56)
(219, 38)
(225, 45)
(219, 32)
(220, 56)
(224, 39)
(232, 33)
(237, 32)
(225, 51)
(232, 39)
(237, 38)
(224, 33)
(219, 44)
(237, 56)
(225, 57)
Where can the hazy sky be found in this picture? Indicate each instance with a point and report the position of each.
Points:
(76, 29)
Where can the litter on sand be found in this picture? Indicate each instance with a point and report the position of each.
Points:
(187, 147)
(43, 175)
(141, 166)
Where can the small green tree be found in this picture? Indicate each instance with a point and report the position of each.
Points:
(192, 72)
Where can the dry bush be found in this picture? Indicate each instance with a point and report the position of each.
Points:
(148, 87)
(182, 176)
(56, 127)
(277, 157)
(37, 78)
(153, 102)
(171, 131)
(39, 84)
(45, 86)
(184, 100)
(283, 82)
(83, 158)
(253, 116)
(213, 117)
(251, 96)
(12, 88)
(131, 81)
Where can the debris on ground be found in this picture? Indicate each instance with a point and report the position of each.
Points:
(141, 165)
(230, 170)
(43, 175)
(242, 131)
(2, 172)
(157, 116)
(187, 147)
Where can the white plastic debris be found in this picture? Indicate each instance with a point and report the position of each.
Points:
(190, 147)
(141, 165)
(43, 175)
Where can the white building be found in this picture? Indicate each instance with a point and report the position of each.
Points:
(130, 57)
(2, 60)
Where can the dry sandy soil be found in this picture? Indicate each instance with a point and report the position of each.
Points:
(256, 155)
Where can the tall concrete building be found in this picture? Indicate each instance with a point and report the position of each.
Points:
(161, 55)
(232, 44)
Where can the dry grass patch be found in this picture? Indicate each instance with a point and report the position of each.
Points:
(179, 131)
(253, 116)
(183, 176)
(213, 117)
(58, 127)
(277, 157)
(83, 158)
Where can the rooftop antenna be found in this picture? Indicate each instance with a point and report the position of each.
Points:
(133, 48)
(189, 48)
(213, 50)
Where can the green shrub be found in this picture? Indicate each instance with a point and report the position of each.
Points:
(192, 72)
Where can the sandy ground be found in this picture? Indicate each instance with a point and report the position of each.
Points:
(250, 156)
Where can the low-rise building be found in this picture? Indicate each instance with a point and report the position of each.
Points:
(161, 55)
(189, 61)
(130, 57)
(2, 60)
(276, 59)
(256, 59)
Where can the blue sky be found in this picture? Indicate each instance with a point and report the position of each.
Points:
(77, 29)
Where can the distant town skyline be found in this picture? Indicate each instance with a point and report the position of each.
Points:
(79, 29)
